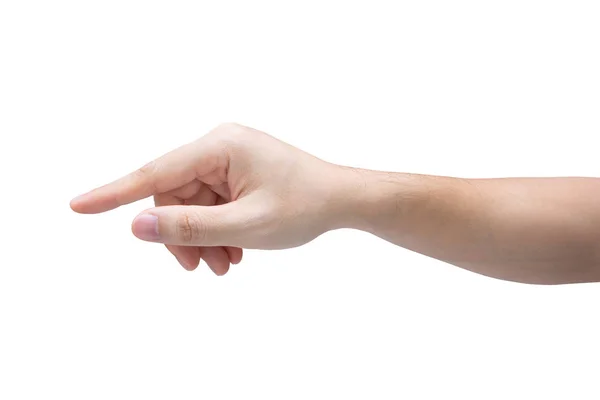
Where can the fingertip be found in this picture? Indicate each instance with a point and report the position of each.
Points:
(188, 266)
(145, 227)
(221, 271)
(192, 266)
(219, 268)
(187, 257)
(91, 203)
(235, 254)
(75, 204)
(217, 260)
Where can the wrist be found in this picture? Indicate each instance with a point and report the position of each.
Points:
(375, 201)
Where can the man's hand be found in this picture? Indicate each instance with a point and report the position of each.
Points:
(234, 188)
(240, 188)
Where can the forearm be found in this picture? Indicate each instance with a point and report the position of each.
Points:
(529, 230)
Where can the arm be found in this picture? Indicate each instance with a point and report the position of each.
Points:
(239, 188)
(544, 231)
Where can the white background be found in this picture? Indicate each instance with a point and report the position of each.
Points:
(92, 90)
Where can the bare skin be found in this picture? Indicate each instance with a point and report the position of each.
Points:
(237, 188)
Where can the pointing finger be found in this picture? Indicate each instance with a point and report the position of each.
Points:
(168, 172)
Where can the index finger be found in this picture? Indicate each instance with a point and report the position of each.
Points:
(168, 172)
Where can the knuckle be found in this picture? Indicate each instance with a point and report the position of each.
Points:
(230, 137)
(148, 169)
(147, 173)
(189, 228)
(230, 127)
(234, 131)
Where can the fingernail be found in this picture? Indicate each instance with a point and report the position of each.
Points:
(145, 227)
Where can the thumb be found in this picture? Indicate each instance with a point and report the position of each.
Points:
(222, 225)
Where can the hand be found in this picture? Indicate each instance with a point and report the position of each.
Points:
(234, 188)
